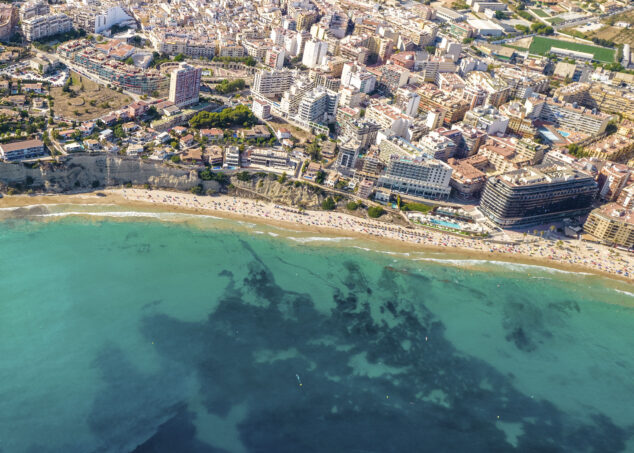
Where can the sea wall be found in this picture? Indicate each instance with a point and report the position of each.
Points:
(85, 171)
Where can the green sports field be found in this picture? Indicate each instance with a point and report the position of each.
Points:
(541, 46)
(540, 12)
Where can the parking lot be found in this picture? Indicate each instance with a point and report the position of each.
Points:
(23, 71)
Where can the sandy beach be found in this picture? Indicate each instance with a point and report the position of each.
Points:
(576, 256)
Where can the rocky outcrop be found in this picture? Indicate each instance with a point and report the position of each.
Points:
(84, 171)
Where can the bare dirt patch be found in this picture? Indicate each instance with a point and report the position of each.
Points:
(303, 136)
(88, 100)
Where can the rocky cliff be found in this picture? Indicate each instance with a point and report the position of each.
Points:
(287, 193)
(83, 171)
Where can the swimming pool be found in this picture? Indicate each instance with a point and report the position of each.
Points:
(445, 224)
(563, 134)
(550, 136)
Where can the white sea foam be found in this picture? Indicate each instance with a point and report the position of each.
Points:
(386, 252)
(516, 267)
(48, 205)
(15, 208)
(126, 214)
(627, 293)
(318, 239)
(362, 248)
(273, 234)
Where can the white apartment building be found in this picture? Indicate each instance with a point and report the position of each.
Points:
(270, 83)
(34, 9)
(314, 52)
(408, 101)
(522, 82)
(389, 119)
(318, 106)
(290, 44)
(275, 57)
(42, 26)
(567, 115)
(261, 110)
(417, 175)
(437, 146)
(482, 88)
(231, 49)
(356, 76)
(232, 157)
(95, 20)
(268, 158)
(488, 119)
(294, 95)
(348, 155)
(191, 46)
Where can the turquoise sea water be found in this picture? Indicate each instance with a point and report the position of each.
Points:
(120, 335)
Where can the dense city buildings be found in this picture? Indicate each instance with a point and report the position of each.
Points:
(397, 100)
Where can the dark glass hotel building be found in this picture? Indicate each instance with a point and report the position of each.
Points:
(536, 195)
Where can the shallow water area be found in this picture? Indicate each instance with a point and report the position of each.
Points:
(132, 330)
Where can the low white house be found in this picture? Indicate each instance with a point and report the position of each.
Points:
(73, 147)
(134, 149)
(106, 134)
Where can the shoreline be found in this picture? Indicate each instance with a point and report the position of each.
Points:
(593, 259)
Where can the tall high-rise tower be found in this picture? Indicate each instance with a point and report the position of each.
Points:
(185, 85)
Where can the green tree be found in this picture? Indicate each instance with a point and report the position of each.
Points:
(375, 211)
(328, 204)
(226, 86)
(314, 151)
(243, 176)
(175, 158)
(352, 206)
(180, 57)
(205, 175)
(228, 117)
(118, 131)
